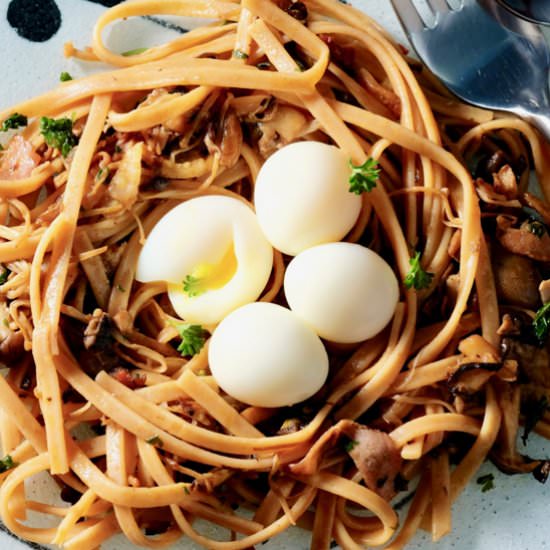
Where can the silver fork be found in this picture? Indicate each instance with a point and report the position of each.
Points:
(484, 55)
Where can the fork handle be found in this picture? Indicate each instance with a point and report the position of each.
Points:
(540, 119)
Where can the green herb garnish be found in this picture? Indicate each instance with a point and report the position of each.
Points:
(137, 51)
(364, 177)
(102, 174)
(4, 275)
(416, 277)
(486, 482)
(192, 337)
(17, 120)
(239, 54)
(350, 445)
(120, 288)
(191, 286)
(58, 133)
(7, 463)
(65, 77)
(155, 440)
(541, 322)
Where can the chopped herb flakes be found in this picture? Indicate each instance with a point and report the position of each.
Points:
(191, 285)
(58, 133)
(239, 54)
(65, 77)
(137, 51)
(416, 277)
(193, 338)
(17, 120)
(120, 288)
(7, 463)
(155, 440)
(102, 174)
(4, 274)
(541, 322)
(486, 482)
(364, 177)
(350, 445)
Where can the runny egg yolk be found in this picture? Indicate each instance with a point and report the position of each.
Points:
(211, 276)
(211, 253)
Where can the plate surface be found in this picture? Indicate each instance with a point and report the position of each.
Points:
(512, 516)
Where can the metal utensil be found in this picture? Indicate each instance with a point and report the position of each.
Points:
(484, 55)
(537, 11)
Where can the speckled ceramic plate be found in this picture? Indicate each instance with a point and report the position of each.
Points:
(512, 516)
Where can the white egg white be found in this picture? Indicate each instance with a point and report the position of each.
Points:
(263, 355)
(345, 292)
(302, 196)
(200, 232)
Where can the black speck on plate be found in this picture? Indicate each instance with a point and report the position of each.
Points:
(107, 3)
(35, 20)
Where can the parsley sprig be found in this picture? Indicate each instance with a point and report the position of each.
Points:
(136, 51)
(65, 77)
(486, 482)
(416, 277)
(103, 174)
(192, 337)
(541, 322)
(363, 177)
(58, 133)
(5, 273)
(155, 440)
(17, 120)
(7, 463)
(191, 285)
